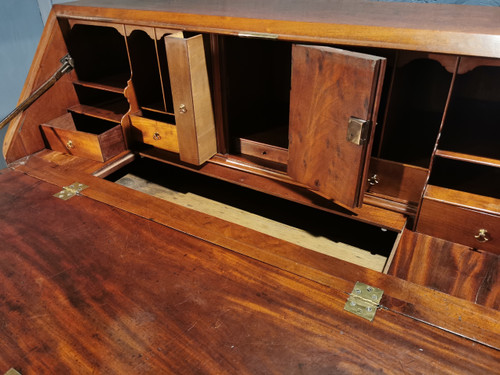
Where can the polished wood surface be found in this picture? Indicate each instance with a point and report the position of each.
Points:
(426, 305)
(449, 267)
(80, 299)
(329, 87)
(397, 180)
(62, 135)
(155, 133)
(191, 96)
(457, 223)
(426, 27)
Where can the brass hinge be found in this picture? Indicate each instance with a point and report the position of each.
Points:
(357, 131)
(253, 35)
(70, 191)
(364, 301)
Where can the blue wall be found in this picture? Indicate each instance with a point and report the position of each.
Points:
(21, 26)
(20, 30)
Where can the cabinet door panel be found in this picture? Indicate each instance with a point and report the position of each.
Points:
(191, 97)
(330, 86)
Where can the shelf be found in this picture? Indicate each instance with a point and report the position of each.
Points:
(474, 159)
(110, 112)
(101, 86)
(156, 107)
(114, 83)
(463, 199)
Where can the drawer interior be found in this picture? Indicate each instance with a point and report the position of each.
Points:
(81, 123)
(330, 234)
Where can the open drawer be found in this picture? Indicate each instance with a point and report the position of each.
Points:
(84, 136)
(461, 217)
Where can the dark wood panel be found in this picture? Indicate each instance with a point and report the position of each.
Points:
(460, 224)
(438, 309)
(330, 86)
(82, 293)
(401, 181)
(448, 267)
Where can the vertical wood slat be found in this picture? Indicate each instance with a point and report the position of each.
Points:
(328, 87)
(191, 89)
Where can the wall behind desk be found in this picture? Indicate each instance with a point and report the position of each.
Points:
(21, 25)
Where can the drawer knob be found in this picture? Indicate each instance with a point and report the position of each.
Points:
(482, 235)
(156, 136)
(373, 180)
(182, 108)
(69, 144)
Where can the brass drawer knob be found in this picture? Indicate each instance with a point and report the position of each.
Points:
(182, 108)
(69, 144)
(482, 235)
(156, 136)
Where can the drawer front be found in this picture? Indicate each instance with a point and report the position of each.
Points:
(462, 225)
(155, 133)
(78, 143)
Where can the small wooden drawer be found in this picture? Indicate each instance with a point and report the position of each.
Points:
(458, 221)
(155, 133)
(84, 136)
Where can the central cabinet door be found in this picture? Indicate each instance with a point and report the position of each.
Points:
(333, 108)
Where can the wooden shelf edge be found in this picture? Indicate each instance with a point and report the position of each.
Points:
(100, 113)
(463, 199)
(468, 158)
(101, 86)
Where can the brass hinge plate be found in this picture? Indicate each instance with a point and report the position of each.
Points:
(364, 301)
(357, 131)
(70, 191)
(253, 35)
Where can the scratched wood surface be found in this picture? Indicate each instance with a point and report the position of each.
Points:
(87, 288)
(438, 309)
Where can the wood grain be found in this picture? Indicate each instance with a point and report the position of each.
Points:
(448, 267)
(459, 224)
(469, 30)
(476, 322)
(329, 86)
(110, 300)
(398, 180)
(155, 133)
(190, 88)
(62, 135)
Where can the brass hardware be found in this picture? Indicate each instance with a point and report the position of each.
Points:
(182, 108)
(67, 66)
(70, 191)
(482, 236)
(12, 372)
(258, 35)
(357, 131)
(70, 144)
(364, 301)
(373, 180)
(156, 136)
